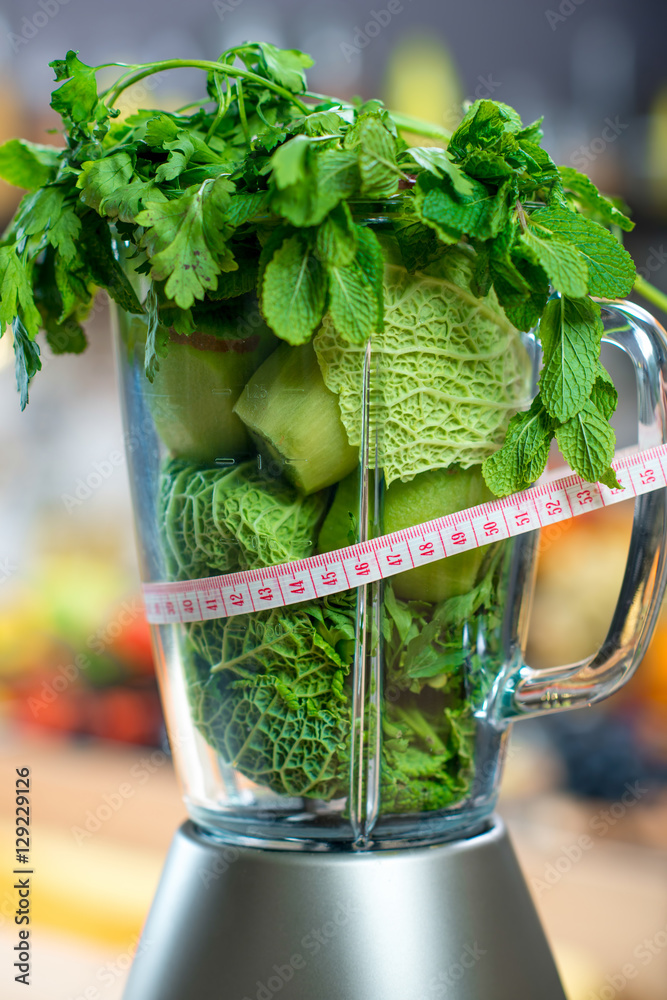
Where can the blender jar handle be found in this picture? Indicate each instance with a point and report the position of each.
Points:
(529, 692)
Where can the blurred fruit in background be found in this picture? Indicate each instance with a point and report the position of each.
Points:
(75, 656)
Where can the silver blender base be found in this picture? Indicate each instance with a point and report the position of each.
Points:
(238, 923)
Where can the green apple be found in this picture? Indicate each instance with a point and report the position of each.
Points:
(427, 496)
(193, 394)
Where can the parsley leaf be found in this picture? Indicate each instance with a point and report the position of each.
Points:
(28, 165)
(186, 245)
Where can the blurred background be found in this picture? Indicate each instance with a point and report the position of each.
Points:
(78, 700)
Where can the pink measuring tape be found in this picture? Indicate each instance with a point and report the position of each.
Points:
(379, 558)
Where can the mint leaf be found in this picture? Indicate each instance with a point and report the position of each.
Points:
(603, 394)
(28, 165)
(26, 360)
(377, 159)
(352, 303)
(587, 443)
(523, 456)
(244, 208)
(589, 198)
(561, 261)
(482, 215)
(611, 271)
(570, 331)
(294, 291)
(439, 162)
(371, 261)
(336, 241)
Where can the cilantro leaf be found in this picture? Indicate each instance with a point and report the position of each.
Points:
(157, 337)
(28, 165)
(561, 261)
(26, 360)
(570, 331)
(587, 443)
(523, 456)
(110, 187)
(611, 271)
(16, 294)
(285, 66)
(76, 100)
(294, 290)
(50, 211)
(589, 198)
(186, 245)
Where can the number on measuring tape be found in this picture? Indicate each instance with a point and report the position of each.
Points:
(169, 602)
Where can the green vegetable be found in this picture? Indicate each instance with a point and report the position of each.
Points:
(431, 495)
(192, 395)
(295, 419)
(449, 372)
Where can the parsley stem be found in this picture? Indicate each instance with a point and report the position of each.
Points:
(650, 292)
(127, 80)
(417, 125)
(242, 114)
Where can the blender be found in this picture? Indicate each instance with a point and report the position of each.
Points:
(340, 758)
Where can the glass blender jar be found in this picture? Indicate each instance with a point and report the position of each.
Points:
(340, 757)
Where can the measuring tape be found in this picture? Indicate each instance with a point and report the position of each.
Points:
(379, 558)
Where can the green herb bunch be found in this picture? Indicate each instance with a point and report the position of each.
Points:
(260, 186)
